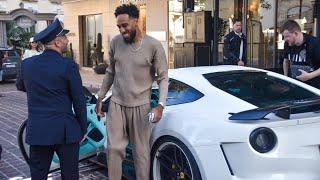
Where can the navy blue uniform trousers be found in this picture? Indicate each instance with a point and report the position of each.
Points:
(41, 157)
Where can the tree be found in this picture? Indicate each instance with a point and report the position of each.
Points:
(17, 36)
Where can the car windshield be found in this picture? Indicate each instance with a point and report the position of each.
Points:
(259, 88)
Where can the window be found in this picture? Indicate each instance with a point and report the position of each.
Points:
(93, 25)
(258, 88)
(180, 93)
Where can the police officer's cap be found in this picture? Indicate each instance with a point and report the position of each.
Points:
(51, 32)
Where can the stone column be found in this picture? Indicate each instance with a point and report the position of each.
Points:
(3, 34)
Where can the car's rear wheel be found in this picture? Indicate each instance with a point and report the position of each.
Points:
(171, 159)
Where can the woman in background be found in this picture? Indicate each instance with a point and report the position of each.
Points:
(34, 49)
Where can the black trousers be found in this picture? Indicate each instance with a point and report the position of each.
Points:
(41, 157)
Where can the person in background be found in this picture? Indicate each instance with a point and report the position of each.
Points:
(301, 54)
(57, 114)
(34, 49)
(235, 46)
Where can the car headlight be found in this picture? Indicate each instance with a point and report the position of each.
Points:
(263, 139)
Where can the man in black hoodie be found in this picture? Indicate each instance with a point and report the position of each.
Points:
(301, 54)
(235, 46)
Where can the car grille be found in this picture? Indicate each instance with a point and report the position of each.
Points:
(10, 69)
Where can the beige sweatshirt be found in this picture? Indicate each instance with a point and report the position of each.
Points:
(132, 70)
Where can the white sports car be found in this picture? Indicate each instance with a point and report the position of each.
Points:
(225, 123)
(230, 123)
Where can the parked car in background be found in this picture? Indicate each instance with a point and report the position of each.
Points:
(11, 61)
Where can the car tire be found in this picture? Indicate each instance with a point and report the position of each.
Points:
(171, 159)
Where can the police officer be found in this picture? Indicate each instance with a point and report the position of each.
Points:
(235, 46)
(53, 86)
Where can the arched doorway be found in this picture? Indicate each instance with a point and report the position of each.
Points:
(23, 18)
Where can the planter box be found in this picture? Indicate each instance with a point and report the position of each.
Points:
(100, 68)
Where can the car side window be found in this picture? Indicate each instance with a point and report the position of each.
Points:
(180, 93)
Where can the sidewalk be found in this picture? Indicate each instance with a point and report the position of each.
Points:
(90, 79)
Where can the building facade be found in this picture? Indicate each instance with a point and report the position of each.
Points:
(262, 20)
(87, 18)
(31, 15)
(164, 19)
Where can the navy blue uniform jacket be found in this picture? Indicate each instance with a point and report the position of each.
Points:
(53, 85)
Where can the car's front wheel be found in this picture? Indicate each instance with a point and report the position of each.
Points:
(171, 159)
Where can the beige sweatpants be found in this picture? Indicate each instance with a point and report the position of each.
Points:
(124, 124)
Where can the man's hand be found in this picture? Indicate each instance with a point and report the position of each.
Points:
(240, 63)
(304, 76)
(157, 113)
(98, 109)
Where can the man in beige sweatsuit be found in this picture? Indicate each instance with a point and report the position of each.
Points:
(136, 61)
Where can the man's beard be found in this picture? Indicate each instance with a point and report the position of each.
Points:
(131, 38)
(64, 48)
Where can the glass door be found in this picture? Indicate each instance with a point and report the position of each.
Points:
(257, 24)
(260, 33)
(228, 10)
(92, 27)
(176, 29)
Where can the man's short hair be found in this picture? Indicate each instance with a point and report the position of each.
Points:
(235, 20)
(130, 9)
(291, 26)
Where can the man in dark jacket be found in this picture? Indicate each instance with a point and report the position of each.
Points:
(301, 54)
(53, 86)
(235, 46)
